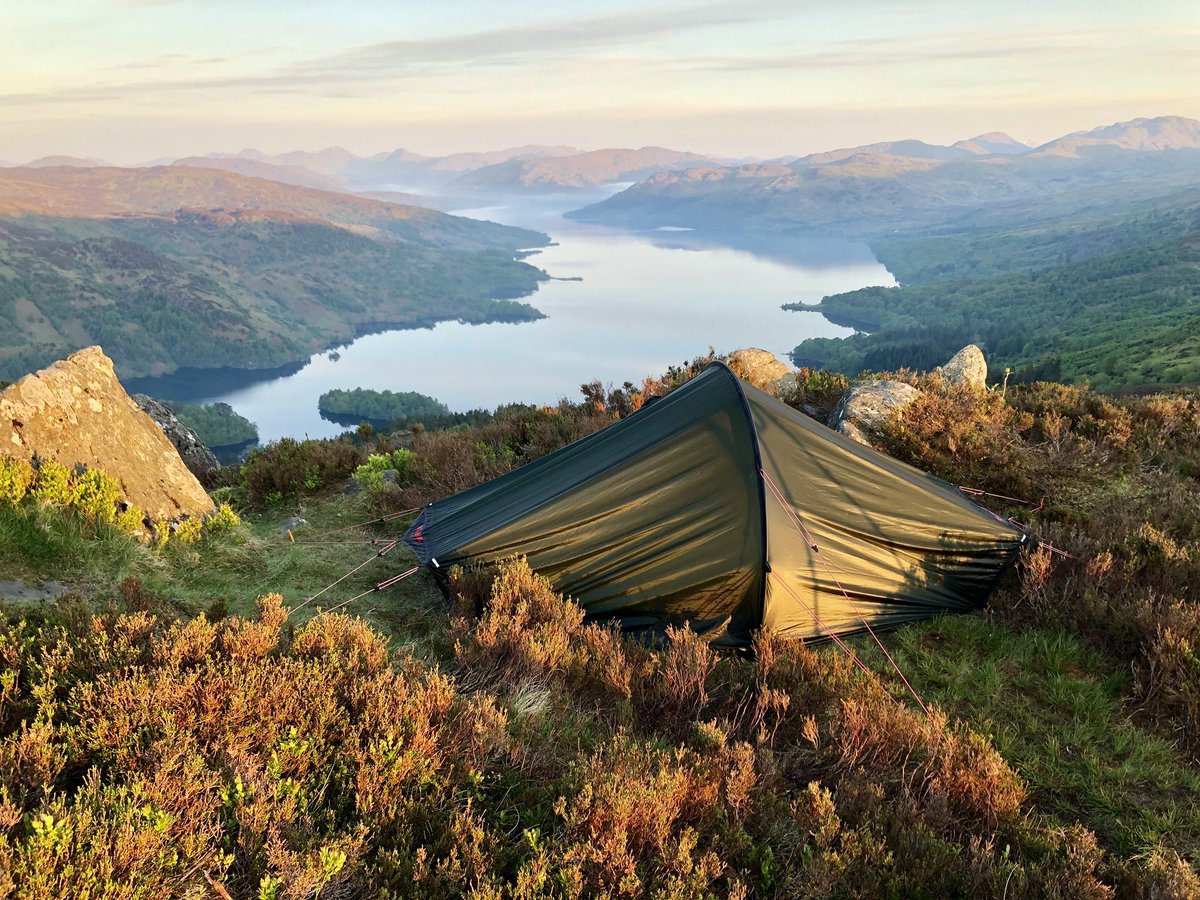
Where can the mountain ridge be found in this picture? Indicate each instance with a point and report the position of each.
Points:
(876, 188)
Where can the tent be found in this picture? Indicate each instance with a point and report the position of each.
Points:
(721, 507)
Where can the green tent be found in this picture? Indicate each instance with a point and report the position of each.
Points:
(721, 507)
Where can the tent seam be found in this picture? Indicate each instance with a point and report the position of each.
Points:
(764, 563)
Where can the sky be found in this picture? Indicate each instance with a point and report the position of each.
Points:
(131, 81)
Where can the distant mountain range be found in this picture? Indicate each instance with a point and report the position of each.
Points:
(874, 189)
(530, 168)
(595, 168)
(338, 169)
(176, 266)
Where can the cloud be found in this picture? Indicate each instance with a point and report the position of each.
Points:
(421, 57)
(951, 47)
(551, 37)
(366, 69)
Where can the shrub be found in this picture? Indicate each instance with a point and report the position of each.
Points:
(639, 820)
(131, 520)
(530, 633)
(289, 468)
(370, 475)
(814, 392)
(16, 477)
(53, 484)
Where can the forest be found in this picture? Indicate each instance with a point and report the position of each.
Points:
(361, 404)
(1108, 299)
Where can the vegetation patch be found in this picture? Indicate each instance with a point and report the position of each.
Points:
(378, 407)
(235, 738)
(216, 424)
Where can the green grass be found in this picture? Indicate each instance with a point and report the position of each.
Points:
(39, 545)
(1054, 710)
(234, 569)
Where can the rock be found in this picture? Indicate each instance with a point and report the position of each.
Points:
(76, 412)
(197, 457)
(785, 386)
(867, 405)
(20, 591)
(967, 366)
(291, 525)
(759, 367)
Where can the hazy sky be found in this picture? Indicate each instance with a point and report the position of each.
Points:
(130, 80)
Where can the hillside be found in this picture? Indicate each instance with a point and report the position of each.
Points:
(1094, 286)
(287, 174)
(335, 168)
(164, 190)
(206, 290)
(165, 731)
(185, 267)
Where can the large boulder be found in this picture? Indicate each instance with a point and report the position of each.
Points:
(759, 367)
(967, 366)
(867, 405)
(76, 412)
(197, 457)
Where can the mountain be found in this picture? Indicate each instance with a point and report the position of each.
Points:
(1099, 285)
(286, 174)
(466, 162)
(336, 168)
(908, 148)
(1140, 135)
(594, 168)
(166, 190)
(995, 142)
(73, 161)
(330, 161)
(178, 266)
(875, 189)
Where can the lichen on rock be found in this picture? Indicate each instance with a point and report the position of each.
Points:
(758, 367)
(76, 412)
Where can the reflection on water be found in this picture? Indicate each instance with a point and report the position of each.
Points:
(646, 300)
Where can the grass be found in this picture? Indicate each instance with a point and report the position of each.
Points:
(231, 571)
(1057, 712)
(39, 545)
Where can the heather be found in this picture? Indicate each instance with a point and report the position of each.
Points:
(181, 725)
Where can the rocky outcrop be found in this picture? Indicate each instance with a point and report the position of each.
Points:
(77, 412)
(759, 367)
(867, 405)
(197, 457)
(967, 366)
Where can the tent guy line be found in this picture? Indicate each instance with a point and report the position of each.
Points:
(795, 517)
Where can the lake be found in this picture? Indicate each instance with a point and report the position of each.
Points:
(646, 300)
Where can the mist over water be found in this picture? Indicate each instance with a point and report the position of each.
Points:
(647, 300)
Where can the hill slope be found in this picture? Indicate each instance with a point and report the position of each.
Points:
(244, 747)
(1097, 288)
(175, 266)
(163, 190)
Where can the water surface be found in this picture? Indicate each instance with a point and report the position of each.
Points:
(646, 300)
